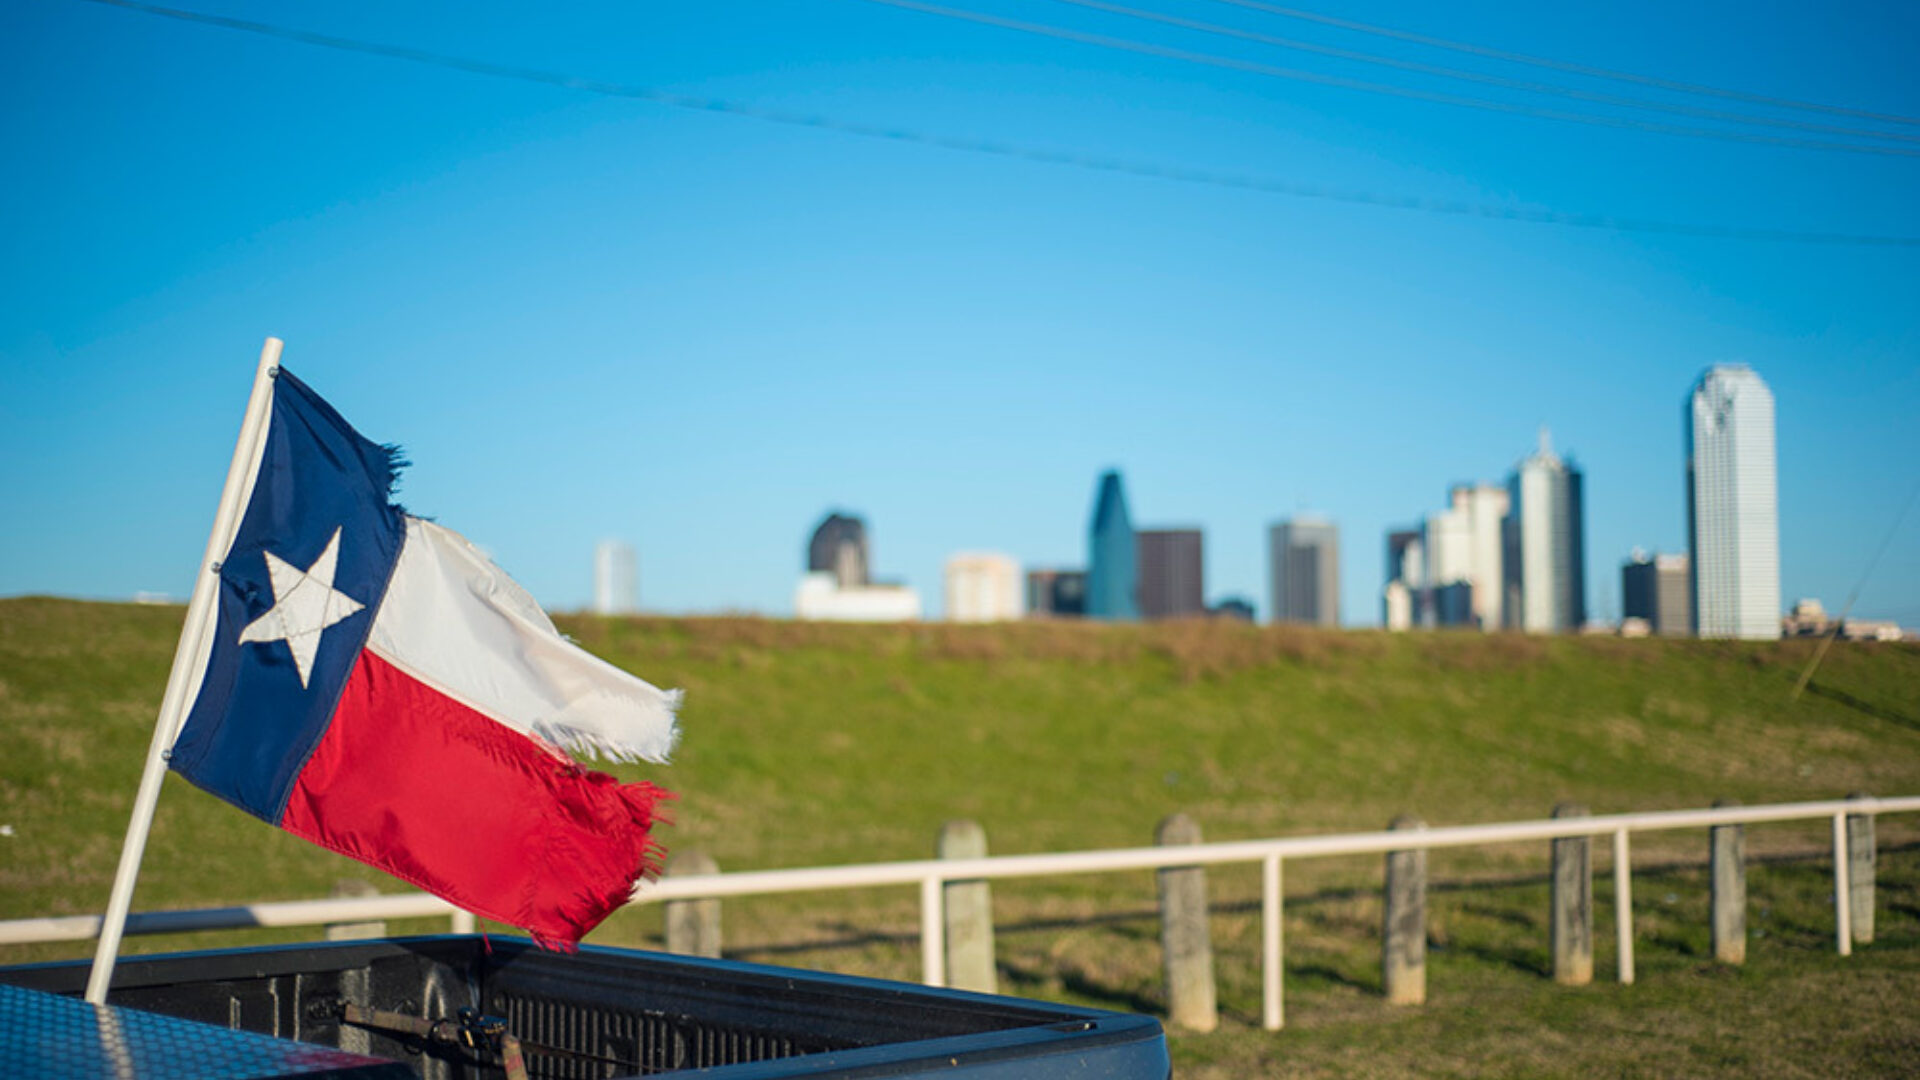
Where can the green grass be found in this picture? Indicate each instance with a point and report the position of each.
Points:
(810, 744)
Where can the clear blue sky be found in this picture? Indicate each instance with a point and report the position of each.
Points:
(589, 316)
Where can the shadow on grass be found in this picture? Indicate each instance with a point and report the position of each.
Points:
(1323, 973)
(1860, 705)
(1675, 943)
(1524, 960)
(1014, 976)
(1122, 1000)
(1508, 915)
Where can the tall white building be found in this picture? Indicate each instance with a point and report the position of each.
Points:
(1449, 546)
(982, 586)
(1733, 505)
(1463, 544)
(615, 586)
(1544, 545)
(1486, 507)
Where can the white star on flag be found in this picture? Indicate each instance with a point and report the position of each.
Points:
(305, 603)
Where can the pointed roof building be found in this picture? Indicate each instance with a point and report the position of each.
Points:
(1112, 573)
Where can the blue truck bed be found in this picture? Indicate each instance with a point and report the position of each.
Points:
(439, 1005)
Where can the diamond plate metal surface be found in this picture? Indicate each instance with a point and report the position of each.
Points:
(56, 1038)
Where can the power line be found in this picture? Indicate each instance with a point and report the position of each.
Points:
(1568, 65)
(1097, 163)
(1439, 97)
(1806, 676)
(1482, 77)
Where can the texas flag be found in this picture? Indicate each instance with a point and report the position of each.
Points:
(377, 686)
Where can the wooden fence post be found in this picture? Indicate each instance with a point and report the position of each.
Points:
(693, 926)
(1861, 857)
(1572, 926)
(1185, 940)
(1403, 939)
(968, 907)
(354, 931)
(1727, 846)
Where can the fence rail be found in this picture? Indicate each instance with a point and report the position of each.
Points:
(417, 905)
(931, 875)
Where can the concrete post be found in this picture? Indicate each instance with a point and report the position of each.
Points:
(1403, 939)
(1861, 857)
(1572, 927)
(354, 931)
(1727, 845)
(968, 906)
(693, 926)
(1185, 939)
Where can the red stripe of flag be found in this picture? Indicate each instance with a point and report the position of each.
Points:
(438, 794)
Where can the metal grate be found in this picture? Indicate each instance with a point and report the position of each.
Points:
(568, 1040)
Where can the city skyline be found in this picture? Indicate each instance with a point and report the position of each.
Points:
(1496, 557)
(585, 316)
(1511, 557)
(1448, 551)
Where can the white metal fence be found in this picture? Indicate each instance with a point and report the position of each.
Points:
(415, 905)
(931, 874)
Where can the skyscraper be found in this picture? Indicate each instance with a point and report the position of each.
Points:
(1544, 545)
(1056, 592)
(1236, 608)
(1406, 556)
(614, 590)
(1172, 570)
(1465, 547)
(982, 587)
(1401, 601)
(1658, 589)
(1303, 570)
(1111, 568)
(1485, 507)
(839, 547)
(1733, 505)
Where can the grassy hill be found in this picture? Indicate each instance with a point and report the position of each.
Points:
(811, 744)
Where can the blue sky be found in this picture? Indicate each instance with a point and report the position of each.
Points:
(590, 316)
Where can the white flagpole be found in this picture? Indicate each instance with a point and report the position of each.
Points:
(189, 658)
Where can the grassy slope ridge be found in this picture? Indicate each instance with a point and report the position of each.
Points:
(810, 744)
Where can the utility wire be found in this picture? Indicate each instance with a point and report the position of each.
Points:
(1097, 163)
(1840, 623)
(1482, 77)
(1166, 52)
(1568, 65)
